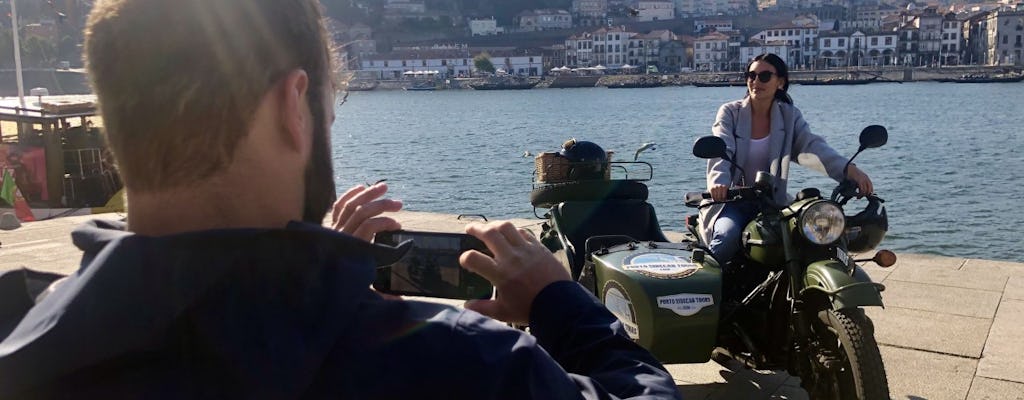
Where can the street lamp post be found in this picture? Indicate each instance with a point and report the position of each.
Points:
(17, 53)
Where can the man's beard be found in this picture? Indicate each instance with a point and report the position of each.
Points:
(319, 177)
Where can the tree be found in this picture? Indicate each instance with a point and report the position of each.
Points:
(482, 62)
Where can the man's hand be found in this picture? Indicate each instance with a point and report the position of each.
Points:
(520, 269)
(864, 184)
(719, 192)
(357, 212)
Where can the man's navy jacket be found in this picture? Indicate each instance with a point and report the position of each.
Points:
(288, 313)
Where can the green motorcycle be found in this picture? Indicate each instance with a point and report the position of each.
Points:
(792, 302)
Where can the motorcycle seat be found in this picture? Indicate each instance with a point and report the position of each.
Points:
(581, 220)
(617, 189)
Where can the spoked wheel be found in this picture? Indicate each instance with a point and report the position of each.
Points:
(845, 364)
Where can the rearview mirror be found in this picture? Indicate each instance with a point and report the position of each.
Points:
(873, 136)
(709, 147)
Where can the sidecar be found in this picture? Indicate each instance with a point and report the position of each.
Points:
(667, 295)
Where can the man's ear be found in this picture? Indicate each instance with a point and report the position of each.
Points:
(296, 118)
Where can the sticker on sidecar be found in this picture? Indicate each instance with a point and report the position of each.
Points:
(660, 265)
(685, 304)
(616, 300)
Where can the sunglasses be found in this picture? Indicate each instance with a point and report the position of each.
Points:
(763, 76)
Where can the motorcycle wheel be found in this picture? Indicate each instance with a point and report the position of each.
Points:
(847, 364)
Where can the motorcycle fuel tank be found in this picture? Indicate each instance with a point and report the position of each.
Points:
(668, 300)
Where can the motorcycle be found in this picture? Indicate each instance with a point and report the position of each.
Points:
(792, 301)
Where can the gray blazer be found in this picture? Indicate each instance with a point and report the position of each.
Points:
(791, 140)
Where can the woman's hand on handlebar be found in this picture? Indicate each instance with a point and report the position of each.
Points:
(520, 269)
(719, 193)
(357, 212)
(864, 185)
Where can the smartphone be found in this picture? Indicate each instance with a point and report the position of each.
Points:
(431, 267)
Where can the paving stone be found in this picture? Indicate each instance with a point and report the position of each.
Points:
(915, 374)
(941, 299)
(1014, 288)
(732, 382)
(877, 274)
(939, 273)
(787, 392)
(1002, 357)
(991, 389)
(987, 266)
(928, 261)
(926, 330)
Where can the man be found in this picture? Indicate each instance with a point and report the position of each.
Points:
(218, 113)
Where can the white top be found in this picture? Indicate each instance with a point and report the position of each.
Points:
(757, 159)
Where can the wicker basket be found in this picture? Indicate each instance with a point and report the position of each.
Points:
(553, 168)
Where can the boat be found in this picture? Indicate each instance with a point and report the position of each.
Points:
(361, 85)
(720, 82)
(56, 159)
(422, 86)
(574, 81)
(641, 83)
(505, 84)
(984, 78)
(836, 81)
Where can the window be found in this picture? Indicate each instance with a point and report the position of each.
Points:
(1005, 39)
(531, 59)
(828, 42)
(423, 63)
(874, 41)
(888, 40)
(403, 63)
(385, 63)
(371, 63)
(842, 42)
(444, 62)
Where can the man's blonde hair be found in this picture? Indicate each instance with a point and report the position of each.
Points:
(178, 81)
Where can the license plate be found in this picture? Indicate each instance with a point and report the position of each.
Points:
(842, 256)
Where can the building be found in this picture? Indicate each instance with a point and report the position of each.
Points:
(707, 25)
(645, 49)
(589, 12)
(654, 10)
(1004, 32)
(611, 45)
(394, 65)
(542, 20)
(484, 27)
(869, 16)
(450, 62)
(672, 56)
(711, 52)
(800, 37)
(579, 50)
(858, 48)
(698, 8)
(952, 41)
(755, 47)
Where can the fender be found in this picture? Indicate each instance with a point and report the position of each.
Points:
(830, 279)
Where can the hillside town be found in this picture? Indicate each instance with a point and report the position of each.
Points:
(673, 36)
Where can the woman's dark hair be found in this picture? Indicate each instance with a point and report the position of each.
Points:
(781, 70)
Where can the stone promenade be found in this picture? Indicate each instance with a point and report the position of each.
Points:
(952, 328)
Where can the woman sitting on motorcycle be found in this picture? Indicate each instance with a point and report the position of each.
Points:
(763, 132)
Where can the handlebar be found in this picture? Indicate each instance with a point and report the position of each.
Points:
(694, 199)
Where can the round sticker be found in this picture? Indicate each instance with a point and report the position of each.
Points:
(616, 300)
(660, 265)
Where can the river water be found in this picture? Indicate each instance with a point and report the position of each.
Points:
(951, 172)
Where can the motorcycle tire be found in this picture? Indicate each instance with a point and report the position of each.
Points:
(547, 196)
(860, 373)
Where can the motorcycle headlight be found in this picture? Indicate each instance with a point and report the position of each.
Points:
(822, 223)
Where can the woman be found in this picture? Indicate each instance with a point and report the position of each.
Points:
(763, 132)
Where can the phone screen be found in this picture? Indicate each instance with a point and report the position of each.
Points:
(431, 267)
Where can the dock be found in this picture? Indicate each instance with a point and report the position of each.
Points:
(952, 328)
